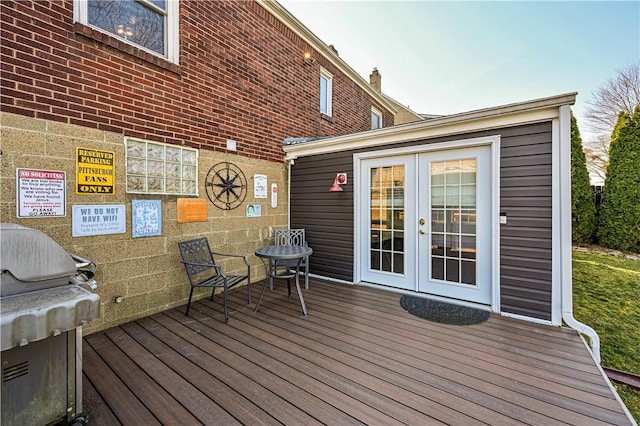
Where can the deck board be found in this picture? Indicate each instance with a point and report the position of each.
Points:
(527, 385)
(357, 358)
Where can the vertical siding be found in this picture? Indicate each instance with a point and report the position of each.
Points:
(525, 196)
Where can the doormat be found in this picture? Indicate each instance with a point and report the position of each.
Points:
(441, 312)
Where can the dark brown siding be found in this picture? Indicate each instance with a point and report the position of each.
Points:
(326, 216)
(525, 196)
(525, 241)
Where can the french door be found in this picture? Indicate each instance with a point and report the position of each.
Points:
(425, 223)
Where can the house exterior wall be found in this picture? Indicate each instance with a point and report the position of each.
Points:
(241, 77)
(525, 241)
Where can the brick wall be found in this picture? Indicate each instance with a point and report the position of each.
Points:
(241, 77)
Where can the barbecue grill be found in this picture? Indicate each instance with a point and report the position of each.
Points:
(46, 296)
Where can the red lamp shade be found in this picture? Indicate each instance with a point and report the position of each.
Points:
(341, 179)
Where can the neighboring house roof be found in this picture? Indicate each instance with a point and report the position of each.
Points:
(404, 114)
(536, 110)
(328, 52)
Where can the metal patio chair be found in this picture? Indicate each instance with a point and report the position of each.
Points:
(202, 270)
(294, 237)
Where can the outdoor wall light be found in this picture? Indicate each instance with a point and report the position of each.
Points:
(308, 58)
(341, 179)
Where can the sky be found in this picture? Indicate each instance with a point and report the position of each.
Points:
(447, 57)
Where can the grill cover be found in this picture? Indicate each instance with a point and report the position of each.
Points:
(43, 293)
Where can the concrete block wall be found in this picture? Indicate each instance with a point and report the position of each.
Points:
(145, 272)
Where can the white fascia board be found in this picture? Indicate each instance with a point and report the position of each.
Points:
(284, 16)
(484, 119)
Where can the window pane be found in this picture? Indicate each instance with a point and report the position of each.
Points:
(154, 184)
(189, 157)
(437, 244)
(387, 218)
(189, 187)
(452, 272)
(131, 21)
(375, 261)
(172, 154)
(453, 220)
(437, 268)
(468, 273)
(136, 184)
(323, 94)
(437, 196)
(376, 122)
(386, 261)
(155, 168)
(398, 263)
(160, 4)
(468, 247)
(136, 149)
(173, 170)
(173, 186)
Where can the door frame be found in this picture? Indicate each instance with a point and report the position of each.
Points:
(494, 143)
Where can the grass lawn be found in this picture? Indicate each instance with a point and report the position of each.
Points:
(606, 296)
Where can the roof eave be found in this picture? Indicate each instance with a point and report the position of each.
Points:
(536, 110)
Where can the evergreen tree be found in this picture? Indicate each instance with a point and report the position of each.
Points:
(619, 226)
(583, 208)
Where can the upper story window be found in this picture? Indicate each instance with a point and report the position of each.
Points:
(149, 24)
(326, 89)
(157, 168)
(376, 118)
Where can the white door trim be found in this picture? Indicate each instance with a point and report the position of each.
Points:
(494, 142)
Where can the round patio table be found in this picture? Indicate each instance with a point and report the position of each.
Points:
(287, 270)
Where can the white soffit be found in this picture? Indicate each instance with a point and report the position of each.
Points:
(533, 111)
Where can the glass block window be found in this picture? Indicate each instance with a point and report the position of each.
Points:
(156, 168)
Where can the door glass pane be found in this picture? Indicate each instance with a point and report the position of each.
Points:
(453, 221)
(387, 219)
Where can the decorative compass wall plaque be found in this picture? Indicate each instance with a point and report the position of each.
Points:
(226, 186)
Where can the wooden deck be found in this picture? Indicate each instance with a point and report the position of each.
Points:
(357, 358)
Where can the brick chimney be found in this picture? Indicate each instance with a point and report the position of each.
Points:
(375, 80)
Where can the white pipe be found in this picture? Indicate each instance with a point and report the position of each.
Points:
(563, 159)
(567, 317)
(290, 163)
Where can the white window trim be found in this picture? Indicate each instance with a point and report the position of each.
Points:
(329, 77)
(377, 112)
(172, 33)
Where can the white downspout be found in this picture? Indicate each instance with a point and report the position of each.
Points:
(290, 162)
(564, 183)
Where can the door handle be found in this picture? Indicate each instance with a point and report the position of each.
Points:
(422, 232)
